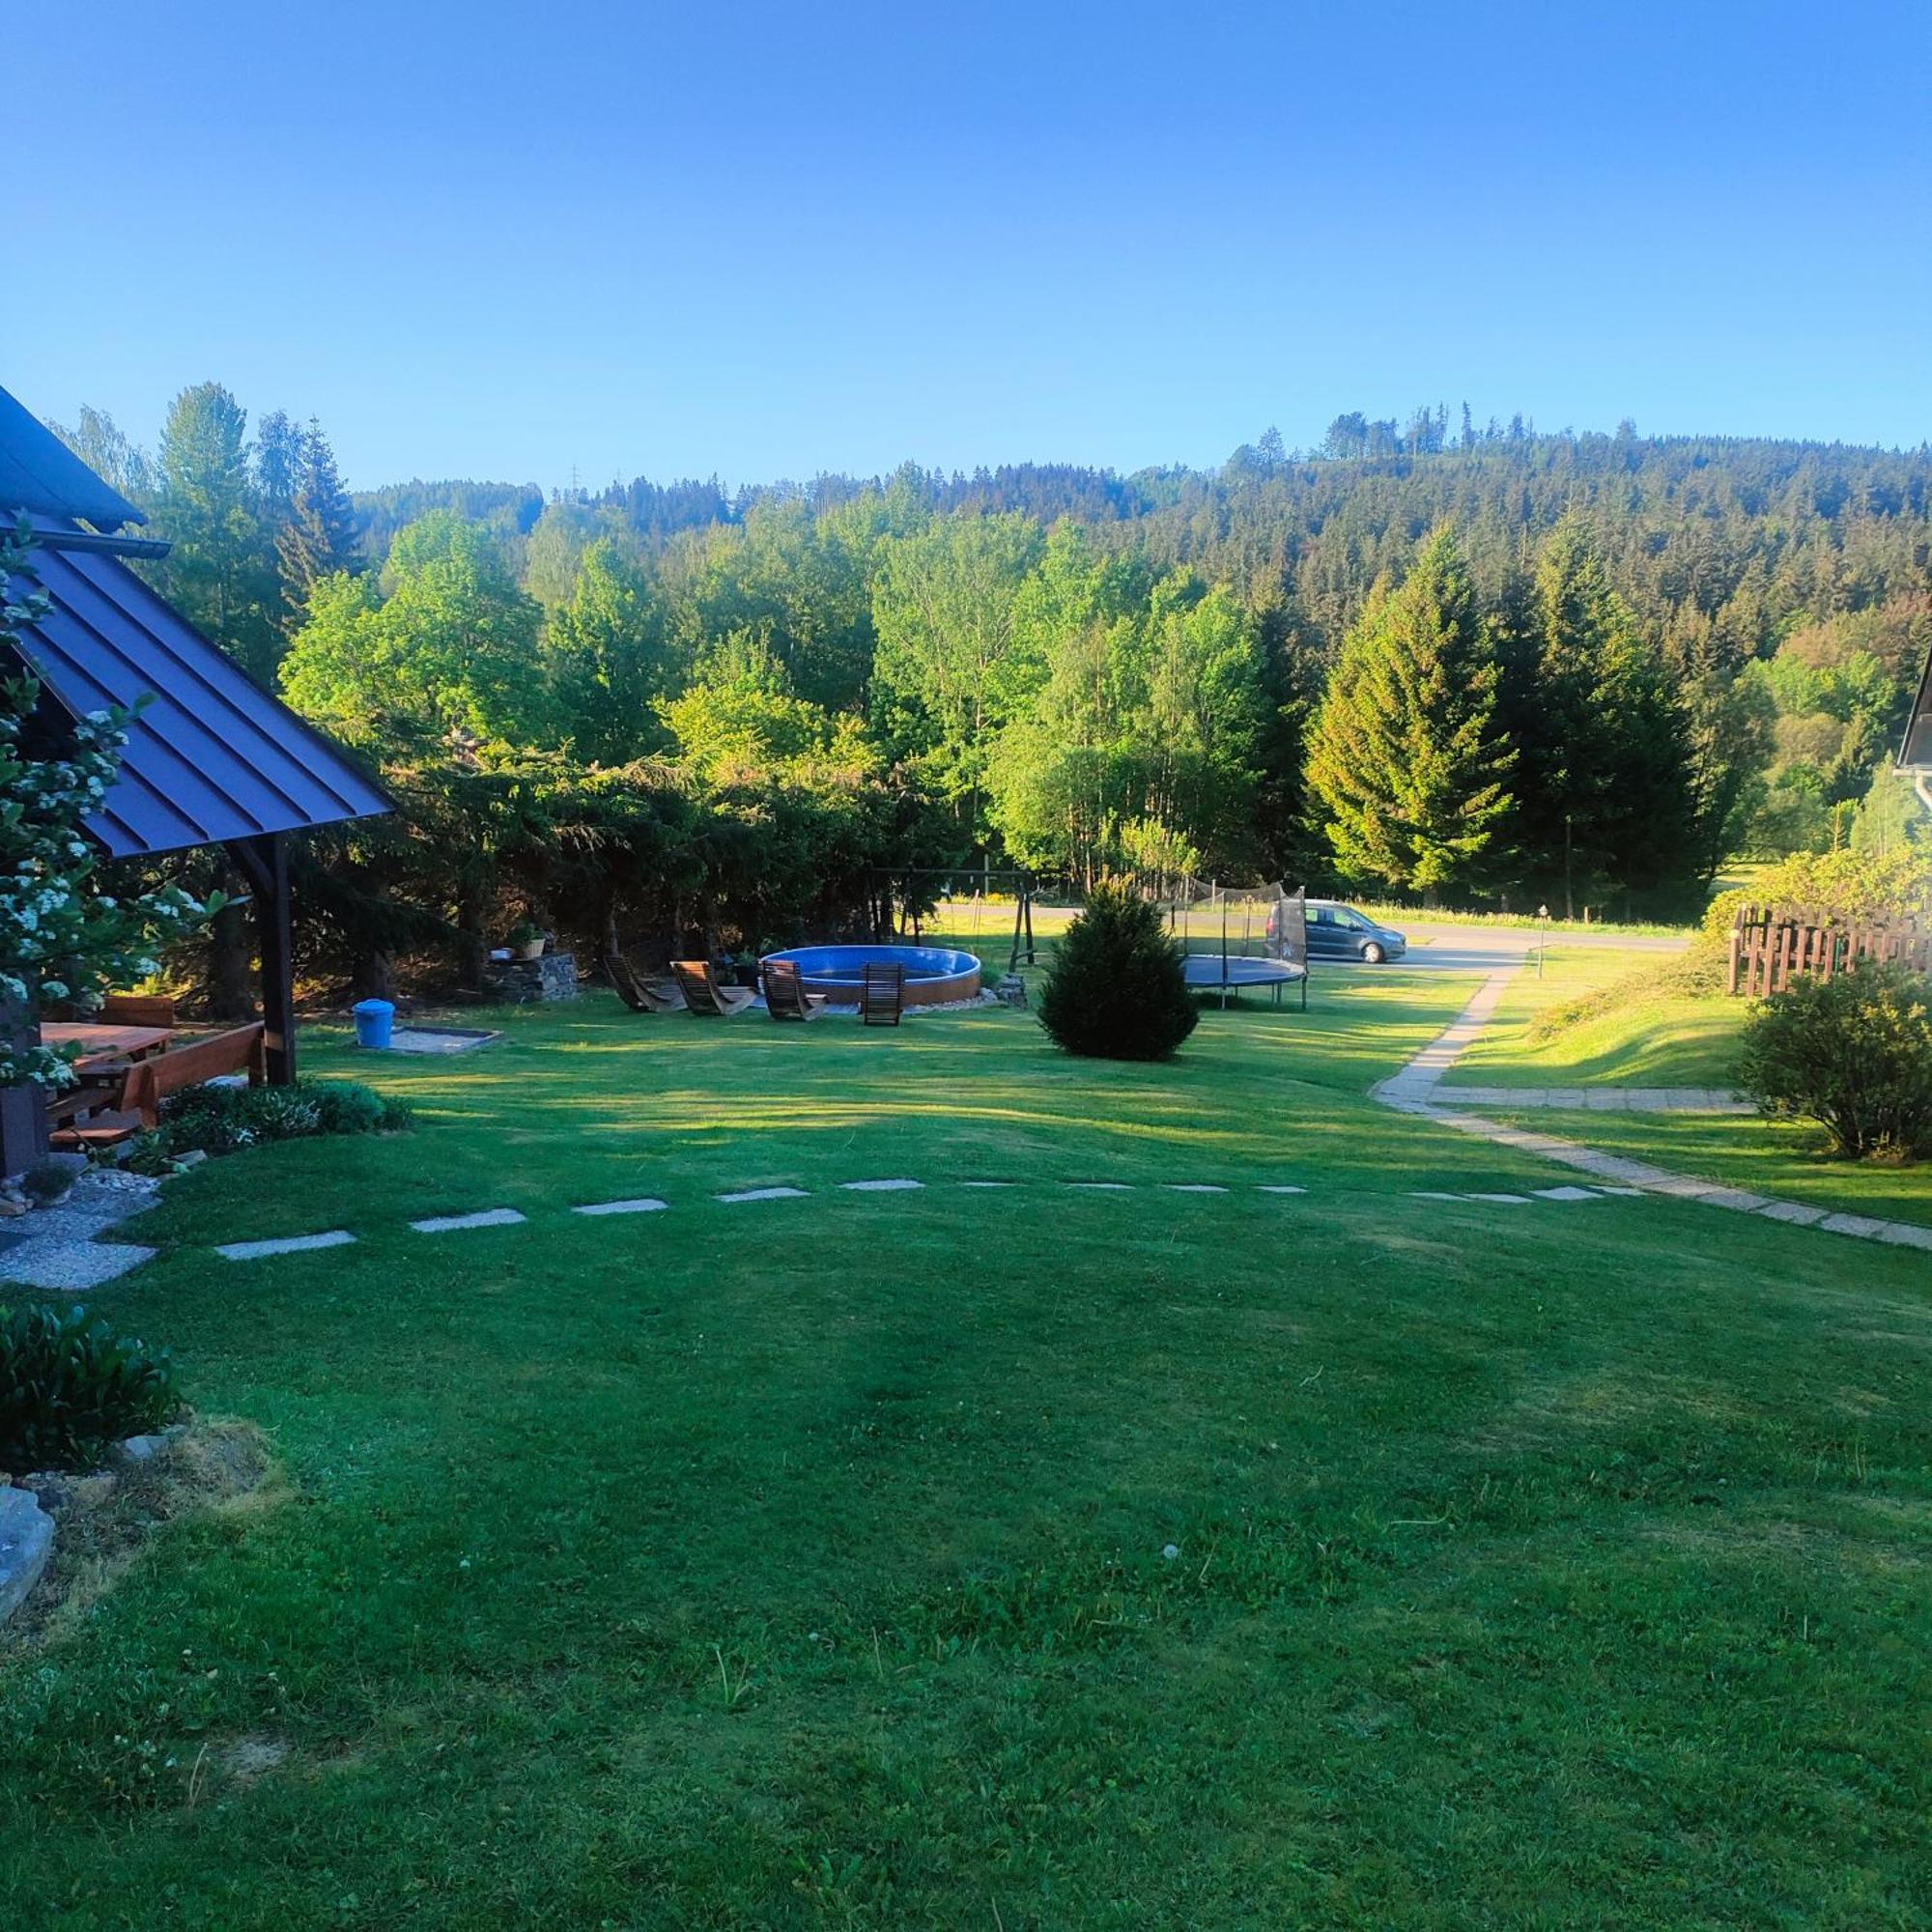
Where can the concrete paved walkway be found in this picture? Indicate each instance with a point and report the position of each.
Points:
(1604, 1100)
(1417, 1089)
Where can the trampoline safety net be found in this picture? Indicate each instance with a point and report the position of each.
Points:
(1238, 936)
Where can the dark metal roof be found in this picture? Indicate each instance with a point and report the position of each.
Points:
(1917, 753)
(212, 757)
(39, 474)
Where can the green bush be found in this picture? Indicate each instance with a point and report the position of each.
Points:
(46, 1181)
(219, 1120)
(70, 1386)
(1853, 1053)
(1117, 990)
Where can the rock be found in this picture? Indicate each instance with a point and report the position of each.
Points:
(145, 1448)
(26, 1541)
(12, 1206)
(193, 1157)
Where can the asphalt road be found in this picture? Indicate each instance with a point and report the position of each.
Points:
(1482, 949)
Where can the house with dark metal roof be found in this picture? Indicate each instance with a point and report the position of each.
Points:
(212, 759)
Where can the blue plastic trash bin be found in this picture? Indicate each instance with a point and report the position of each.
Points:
(373, 1020)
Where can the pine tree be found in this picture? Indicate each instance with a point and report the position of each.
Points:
(318, 537)
(1406, 765)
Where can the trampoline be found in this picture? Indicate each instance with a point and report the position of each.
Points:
(934, 975)
(1213, 972)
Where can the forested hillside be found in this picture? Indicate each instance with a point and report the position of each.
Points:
(1470, 664)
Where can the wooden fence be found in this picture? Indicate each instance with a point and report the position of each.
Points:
(1773, 946)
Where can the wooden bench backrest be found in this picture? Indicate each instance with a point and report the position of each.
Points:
(154, 1009)
(240, 1050)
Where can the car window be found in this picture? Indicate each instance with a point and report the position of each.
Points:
(1353, 921)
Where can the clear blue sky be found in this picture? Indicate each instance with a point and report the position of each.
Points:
(761, 240)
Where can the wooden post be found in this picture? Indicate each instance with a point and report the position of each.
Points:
(23, 1110)
(264, 860)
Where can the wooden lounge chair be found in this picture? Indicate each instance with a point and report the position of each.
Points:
(136, 1102)
(786, 996)
(641, 994)
(703, 995)
(154, 1009)
(881, 994)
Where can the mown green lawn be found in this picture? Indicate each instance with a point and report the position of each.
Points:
(1657, 1038)
(1787, 1159)
(801, 1563)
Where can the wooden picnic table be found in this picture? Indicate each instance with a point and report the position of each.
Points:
(104, 1046)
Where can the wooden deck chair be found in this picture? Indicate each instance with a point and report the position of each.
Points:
(882, 994)
(786, 996)
(703, 995)
(641, 994)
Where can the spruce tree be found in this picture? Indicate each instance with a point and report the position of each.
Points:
(1406, 764)
(318, 537)
(1605, 790)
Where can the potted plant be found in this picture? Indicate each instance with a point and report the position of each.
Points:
(525, 940)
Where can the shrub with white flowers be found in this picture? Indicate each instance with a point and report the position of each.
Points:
(60, 936)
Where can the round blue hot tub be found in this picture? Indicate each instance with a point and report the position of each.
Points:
(934, 975)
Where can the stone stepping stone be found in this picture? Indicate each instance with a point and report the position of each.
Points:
(989, 1184)
(1429, 1193)
(761, 1194)
(1192, 1187)
(1104, 1187)
(1566, 1194)
(1264, 1188)
(288, 1244)
(880, 1186)
(488, 1218)
(644, 1203)
(1736, 1199)
(1905, 1235)
(1504, 1200)
(1798, 1213)
(1628, 1193)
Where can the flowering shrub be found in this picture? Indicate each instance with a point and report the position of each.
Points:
(59, 935)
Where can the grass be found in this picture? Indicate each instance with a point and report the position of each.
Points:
(1640, 1037)
(802, 1564)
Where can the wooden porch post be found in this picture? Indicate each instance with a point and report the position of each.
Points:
(23, 1110)
(264, 860)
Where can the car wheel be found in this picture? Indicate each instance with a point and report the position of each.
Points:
(1372, 954)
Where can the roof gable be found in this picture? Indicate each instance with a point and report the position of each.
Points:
(41, 475)
(212, 757)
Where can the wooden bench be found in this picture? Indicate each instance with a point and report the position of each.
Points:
(641, 994)
(134, 1102)
(786, 996)
(703, 995)
(881, 994)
